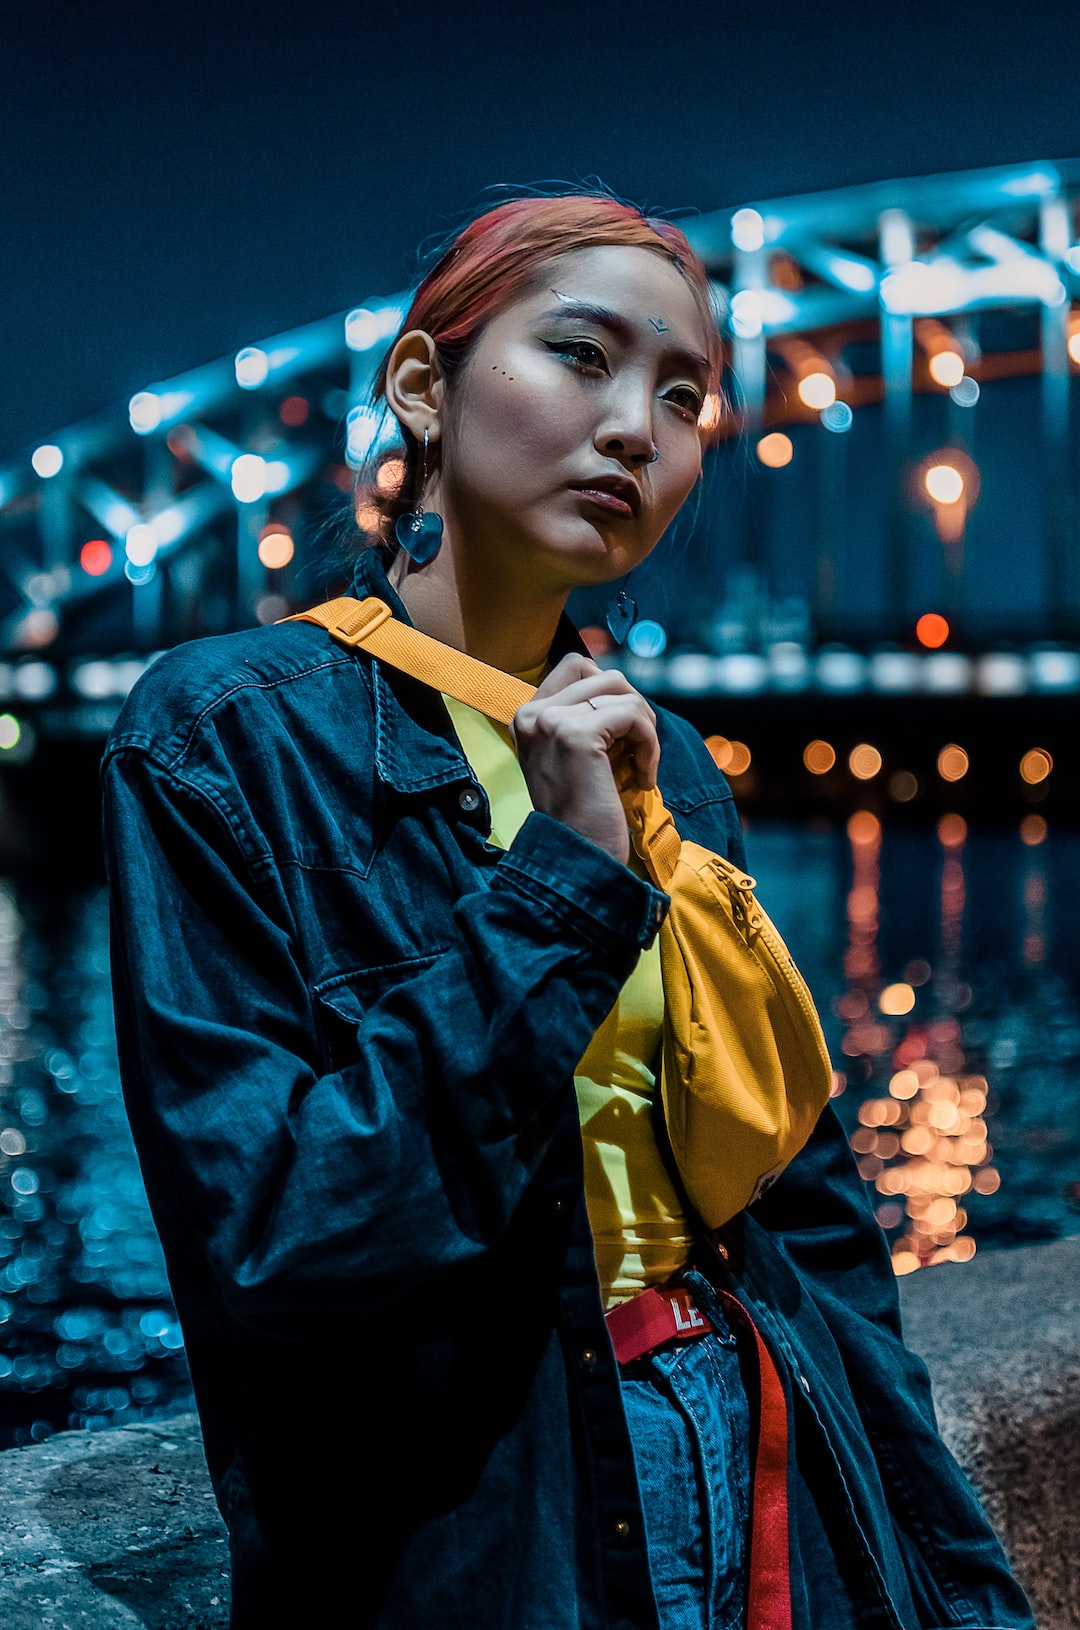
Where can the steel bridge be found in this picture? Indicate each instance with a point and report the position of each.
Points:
(211, 500)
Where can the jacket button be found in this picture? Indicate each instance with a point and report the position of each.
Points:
(588, 1357)
(469, 799)
(558, 1206)
(622, 1529)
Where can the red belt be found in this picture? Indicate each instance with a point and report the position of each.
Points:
(668, 1311)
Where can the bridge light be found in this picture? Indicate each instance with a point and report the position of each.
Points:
(952, 763)
(141, 544)
(252, 368)
(747, 230)
(775, 450)
(817, 390)
(946, 368)
(248, 478)
(95, 557)
(1035, 766)
(944, 483)
(276, 548)
(144, 412)
(931, 630)
(47, 460)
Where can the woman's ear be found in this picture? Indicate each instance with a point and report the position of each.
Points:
(415, 386)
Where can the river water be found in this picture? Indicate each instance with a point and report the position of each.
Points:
(946, 968)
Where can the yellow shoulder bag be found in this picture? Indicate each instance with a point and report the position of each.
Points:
(745, 1070)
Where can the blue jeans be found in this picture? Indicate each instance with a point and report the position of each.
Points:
(690, 1427)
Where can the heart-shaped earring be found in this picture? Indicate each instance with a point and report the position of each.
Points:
(621, 616)
(420, 531)
(420, 535)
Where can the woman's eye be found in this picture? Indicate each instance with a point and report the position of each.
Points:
(686, 398)
(583, 353)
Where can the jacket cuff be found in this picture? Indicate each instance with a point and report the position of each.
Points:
(588, 888)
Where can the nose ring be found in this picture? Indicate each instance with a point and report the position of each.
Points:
(655, 454)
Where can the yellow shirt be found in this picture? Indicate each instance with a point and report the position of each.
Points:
(640, 1231)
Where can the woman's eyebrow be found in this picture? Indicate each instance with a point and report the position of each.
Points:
(621, 327)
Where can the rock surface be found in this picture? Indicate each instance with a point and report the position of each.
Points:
(120, 1527)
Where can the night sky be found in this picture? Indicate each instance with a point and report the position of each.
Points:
(181, 180)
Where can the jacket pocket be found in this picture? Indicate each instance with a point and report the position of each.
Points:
(342, 1002)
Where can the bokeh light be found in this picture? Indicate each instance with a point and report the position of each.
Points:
(647, 638)
(747, 230)
(1033, 830)
(863, 828)
(944, 483)
(733, 757)
(248, 478)
(946, 368)
(294, 411)
(390, 474)
(95, 557)
(817, 390)
(252, 368)
(952, 763)
(1035, 766)
(864, 762)
(903, 786)
(897, 999)
(775, 450)
(47, 460)
(819, 757)
(276, 548)
(10, 732)
(951, 831)
(932, 630)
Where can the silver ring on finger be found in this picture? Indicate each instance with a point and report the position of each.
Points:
(592, 704)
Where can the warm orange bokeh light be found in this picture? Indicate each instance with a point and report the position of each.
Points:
(863, 827)
(952, 763)
(1035, 766)
(733, 757)
(819, 757)
(946, 368)
(775, 450)
(864, 762)
(390, 474)
(896, 1000)
(276, 548)
(952, 831)
(1033, 830)
(931, 630)
(817, 390)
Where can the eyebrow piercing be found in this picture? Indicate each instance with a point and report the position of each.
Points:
(659, 324)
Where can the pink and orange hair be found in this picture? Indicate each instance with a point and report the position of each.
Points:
(496, 258)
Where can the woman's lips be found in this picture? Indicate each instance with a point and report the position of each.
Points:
(607, 501)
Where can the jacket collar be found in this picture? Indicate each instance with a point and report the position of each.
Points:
(416, 747)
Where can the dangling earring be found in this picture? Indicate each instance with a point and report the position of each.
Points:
(419, 532)
(621, 613)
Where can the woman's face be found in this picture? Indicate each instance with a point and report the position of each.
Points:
(548, 431)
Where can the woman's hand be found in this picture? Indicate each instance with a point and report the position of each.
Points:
(584, 736)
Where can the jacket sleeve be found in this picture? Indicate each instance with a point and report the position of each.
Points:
(317, 1195)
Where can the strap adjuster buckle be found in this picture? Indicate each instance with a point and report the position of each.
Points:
(354, 627)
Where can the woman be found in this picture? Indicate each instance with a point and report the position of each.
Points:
(386, 1034)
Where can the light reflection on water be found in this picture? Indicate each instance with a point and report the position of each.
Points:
(946, 970)
(948, 986)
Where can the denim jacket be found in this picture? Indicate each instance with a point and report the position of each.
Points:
(348, 1027)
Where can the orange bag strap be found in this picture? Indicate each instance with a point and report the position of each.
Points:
(371, 625)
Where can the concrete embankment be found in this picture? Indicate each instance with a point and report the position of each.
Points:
(120, 1527)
